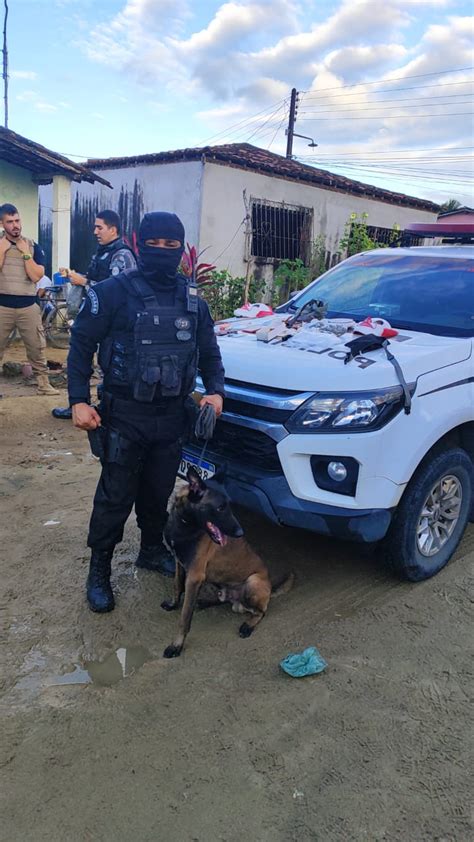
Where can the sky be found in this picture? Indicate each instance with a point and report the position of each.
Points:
(385, 90)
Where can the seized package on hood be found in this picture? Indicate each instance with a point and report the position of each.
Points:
(314, 335)
(246, 325)
(253, 311)
(321, 333)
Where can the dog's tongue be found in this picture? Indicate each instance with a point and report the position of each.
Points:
(217, 536)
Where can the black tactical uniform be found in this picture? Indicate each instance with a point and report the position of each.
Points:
(109, 260)
(154, 332)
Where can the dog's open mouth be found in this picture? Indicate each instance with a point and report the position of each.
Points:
(215, 533)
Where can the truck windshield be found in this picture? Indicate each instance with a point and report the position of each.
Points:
(416, 292)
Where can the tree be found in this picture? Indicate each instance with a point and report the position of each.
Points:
(450, 205)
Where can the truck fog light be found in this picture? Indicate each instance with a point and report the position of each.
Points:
(337, 471)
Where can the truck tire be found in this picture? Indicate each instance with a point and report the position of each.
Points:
(431, 517)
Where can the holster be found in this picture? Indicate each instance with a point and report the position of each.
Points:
(97, 442)
(122, 451)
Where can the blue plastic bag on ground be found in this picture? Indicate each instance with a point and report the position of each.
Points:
(308, 662)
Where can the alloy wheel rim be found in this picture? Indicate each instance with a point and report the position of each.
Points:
(439, 515)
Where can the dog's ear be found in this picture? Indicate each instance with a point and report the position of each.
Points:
(197, 486)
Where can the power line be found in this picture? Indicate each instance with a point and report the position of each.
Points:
(395, 79)
(244, 121)
(259, 129)
(386, 108)
(266, 132)
(278, 129)
(423, 102)
(442, 159)
(390, 117)
(389, 90)
(463, 176)
(404, 162)
(398, 174)
(230, 241)
(400, 151)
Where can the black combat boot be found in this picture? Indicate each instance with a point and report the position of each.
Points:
(99, 592)
(157, 558)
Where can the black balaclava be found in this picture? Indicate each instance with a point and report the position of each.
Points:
(160, 264)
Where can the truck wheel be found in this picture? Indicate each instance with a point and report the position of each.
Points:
(432, 516)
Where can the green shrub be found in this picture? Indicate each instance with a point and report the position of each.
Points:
(225, 293)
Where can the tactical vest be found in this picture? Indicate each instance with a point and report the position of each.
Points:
(99, 267)
(157, 357)
(13, 277)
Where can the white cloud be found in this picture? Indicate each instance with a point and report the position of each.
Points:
(134, 41)
(23, 74)
(27, 96)
(235, 21)
(250, 54)
(36, 101)
(356, 62)
(45, 107)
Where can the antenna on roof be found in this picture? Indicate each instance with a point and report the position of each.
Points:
(5, 64)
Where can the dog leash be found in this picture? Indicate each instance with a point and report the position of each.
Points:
(204, 427)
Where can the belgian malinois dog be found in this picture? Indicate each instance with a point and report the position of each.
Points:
(209, 546)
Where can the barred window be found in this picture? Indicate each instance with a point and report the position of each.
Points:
(281, 231)
(387, 236)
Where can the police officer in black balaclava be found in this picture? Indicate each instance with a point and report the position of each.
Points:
(153, 333)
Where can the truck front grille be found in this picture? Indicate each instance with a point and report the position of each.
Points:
(244, 445)
(252, 410)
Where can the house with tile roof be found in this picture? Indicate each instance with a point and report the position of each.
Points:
(24, 166)
(247, 207)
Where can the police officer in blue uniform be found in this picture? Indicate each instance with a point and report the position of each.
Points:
(154, 333)
(113, 256)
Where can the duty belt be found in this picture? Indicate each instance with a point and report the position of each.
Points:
(172, 406)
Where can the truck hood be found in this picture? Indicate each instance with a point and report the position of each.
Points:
(254, 362)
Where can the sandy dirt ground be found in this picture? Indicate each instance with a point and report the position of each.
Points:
(102, 739)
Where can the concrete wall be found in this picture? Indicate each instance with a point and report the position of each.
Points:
(17, 187)
(174, 187)
(208, 199)
(223, 211)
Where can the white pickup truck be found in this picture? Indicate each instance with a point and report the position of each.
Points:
(310, 441)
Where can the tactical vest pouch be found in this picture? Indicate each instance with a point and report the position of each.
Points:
(149, 374)
(170, 376)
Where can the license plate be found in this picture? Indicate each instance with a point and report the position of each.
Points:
(206, 470)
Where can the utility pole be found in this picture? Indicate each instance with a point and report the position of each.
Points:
(291, 123)
(5, 64)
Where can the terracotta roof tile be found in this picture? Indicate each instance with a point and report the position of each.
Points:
(246, 156)
(44, 163)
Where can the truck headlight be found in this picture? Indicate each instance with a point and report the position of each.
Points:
(349, 411)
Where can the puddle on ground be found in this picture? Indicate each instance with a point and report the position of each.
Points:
(121, 663)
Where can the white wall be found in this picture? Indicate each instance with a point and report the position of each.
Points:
(16, 187)
(174, 187)
(223, 211)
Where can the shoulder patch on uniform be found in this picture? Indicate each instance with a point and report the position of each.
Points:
(94, 301)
